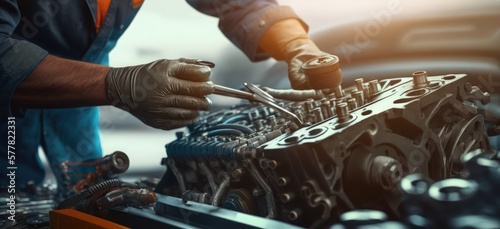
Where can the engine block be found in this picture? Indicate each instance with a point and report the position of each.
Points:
(357, 144)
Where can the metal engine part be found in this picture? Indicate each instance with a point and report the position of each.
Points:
(360, 142)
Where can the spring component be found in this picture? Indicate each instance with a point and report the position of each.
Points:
(420, 78)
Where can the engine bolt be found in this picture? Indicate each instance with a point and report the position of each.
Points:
(366, 90)
(294, 214)
(272, 164)
(271, 121)
(359, 84)
(358, 95)
(326, 109)
(420, 79)
(342, 112)
(281, 181)
(352, 103)
(258, 124)
(373, 87)
(309, 105)
(237, 173)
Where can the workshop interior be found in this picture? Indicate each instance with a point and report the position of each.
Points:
(409, 139)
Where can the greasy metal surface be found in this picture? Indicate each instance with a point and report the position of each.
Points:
(345, 159)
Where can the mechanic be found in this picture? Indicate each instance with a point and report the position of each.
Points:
(53, 57)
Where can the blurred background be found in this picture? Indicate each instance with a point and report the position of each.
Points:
(374, 39)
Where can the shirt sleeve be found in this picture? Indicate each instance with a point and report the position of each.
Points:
(244, 22)
(17, 58)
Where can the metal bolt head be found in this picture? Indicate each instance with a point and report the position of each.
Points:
(272, 164)
(342, 112)
(373, 87)
(285, 197)
(293, 215)
(237, 173)
(420, 78)
(359, 84)
(281, 181)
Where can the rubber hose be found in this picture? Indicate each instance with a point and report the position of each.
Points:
(85, 194)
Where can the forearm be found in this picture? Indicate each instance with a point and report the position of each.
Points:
(59, 83)
(275, 40)
(244, 22)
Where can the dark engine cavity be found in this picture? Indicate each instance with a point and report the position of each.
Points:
(359, 142)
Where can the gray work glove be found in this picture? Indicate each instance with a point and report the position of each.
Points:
(164, 94)
(298, 53)
(288, 40)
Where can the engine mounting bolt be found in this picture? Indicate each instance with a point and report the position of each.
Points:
(360, 98)
(342, 112)
(285, 197)
(373, 87)
(420, 79)
(293, 215)
(281, 181)
(271, 120)
(359, 84)
(366, 90)
(352, 103)
(326, 110)
(318, 113)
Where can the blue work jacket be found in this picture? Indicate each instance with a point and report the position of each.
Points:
(81, 30)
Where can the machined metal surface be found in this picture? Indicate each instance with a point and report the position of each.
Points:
(352, 154)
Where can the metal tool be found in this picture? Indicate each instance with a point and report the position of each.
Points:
(256, 95)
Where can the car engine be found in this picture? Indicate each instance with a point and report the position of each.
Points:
(352, 150)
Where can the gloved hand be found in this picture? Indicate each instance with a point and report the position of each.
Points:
(164, 94)
(288, 40)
